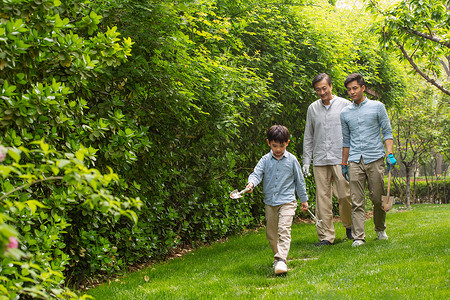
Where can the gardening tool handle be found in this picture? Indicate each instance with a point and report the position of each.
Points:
(244, 191)
(312, 215)
(389, 184)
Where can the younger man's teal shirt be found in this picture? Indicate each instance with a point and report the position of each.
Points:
(361, 132)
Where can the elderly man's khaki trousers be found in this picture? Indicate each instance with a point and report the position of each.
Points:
(329, 180)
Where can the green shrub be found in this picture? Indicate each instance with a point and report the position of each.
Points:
(37, 208)
(436, 192)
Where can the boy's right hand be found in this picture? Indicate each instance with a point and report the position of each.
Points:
(305, 206)
(250, 187)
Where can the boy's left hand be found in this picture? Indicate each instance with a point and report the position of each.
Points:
(305, 206)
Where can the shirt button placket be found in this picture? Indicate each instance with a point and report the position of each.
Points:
(276, 178)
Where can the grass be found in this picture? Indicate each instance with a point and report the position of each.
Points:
(413, 264)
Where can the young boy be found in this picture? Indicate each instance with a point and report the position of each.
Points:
(282, 176)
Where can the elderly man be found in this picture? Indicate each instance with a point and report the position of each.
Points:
(323, 142)
(362, 155)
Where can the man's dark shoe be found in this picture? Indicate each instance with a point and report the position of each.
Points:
(349, 233)
(322, 243)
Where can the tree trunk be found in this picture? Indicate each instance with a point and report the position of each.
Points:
(438, 198)
(408, 185)
(445, 187)
(414, 184)
(426, 179)
(438, 164)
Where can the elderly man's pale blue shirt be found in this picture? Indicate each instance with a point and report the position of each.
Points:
(362, 126)
(281, 179)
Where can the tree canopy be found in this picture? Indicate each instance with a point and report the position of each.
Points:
(420, 30)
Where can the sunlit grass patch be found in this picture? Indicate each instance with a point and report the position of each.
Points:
(412, 264)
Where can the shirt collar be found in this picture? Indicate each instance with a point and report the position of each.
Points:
(362, 103)
(285, 154)
(331, 101)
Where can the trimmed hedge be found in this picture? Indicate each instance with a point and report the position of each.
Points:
(436, 195)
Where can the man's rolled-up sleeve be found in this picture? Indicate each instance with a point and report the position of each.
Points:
(345, 132)
(308, 139)
(385, 124)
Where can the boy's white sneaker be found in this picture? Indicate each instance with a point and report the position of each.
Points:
(357, 243)
(280, 267)
(382, 235)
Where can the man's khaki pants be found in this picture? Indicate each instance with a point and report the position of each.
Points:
(373, 173)
(278, 228)
(329, 180)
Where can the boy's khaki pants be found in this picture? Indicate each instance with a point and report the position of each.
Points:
(373, 173)
(329, 180)
(278, 228)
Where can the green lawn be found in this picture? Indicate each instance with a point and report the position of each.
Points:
(413, 264)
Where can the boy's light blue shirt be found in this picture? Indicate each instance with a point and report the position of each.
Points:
(361, 126)
(281, 179)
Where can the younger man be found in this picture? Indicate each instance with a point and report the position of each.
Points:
(362, 155)
(282, 177)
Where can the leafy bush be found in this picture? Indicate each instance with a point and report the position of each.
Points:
(52, 56)
(40, 213)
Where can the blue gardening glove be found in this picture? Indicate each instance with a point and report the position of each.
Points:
(390, 161)
(344, 169)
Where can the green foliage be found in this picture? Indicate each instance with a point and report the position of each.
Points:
(193, 108)
(420, 29)
(52, 58)
(180, 114)
(43, 213)
(295, 42)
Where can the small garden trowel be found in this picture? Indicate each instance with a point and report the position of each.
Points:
(386, 201)
(236, 194)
